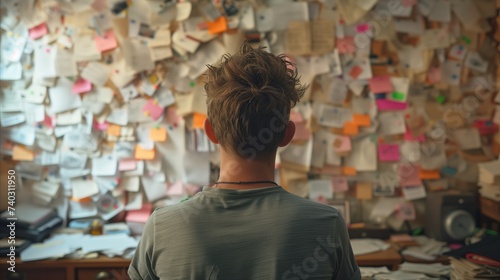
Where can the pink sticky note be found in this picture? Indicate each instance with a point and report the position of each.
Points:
(81, 86)
(105, 42)
(362, 28)
(101, 126)
(139, 216)
(409, 137)
(127, 164)
(176, 189)
(388, 152)
(355, 72)
(409, 175)
(48, 121)
(339, 184)
(152, 109)
(381, 84)
(389, 105)
(346, 45)
(342, 144)
(38, 31)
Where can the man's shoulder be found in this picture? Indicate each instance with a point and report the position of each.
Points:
(305, 203)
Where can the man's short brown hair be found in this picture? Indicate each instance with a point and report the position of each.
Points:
(249, 97)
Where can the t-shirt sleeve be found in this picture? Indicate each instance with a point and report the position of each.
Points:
(344, 263)
(141, 266)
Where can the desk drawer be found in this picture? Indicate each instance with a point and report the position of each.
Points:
(104, 273)
(36, 274)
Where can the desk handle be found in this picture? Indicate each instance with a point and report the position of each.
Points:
(104, 275)
(15, 276)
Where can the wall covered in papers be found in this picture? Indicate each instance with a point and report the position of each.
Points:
(103, 101)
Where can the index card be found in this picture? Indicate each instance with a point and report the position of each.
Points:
(69, 117)
(392, 123)
(78, 210)
(320, 189)
(83, 188)
(97, 73)
(104, 166)
(414, 192)
(388, 152)
(22, 134)
(333, 116)
(118, 116)
(137, 55)
(34, 94)
(61, 98)
(85, 49)
(363, 156)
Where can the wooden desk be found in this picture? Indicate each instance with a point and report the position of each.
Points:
(104, 268)
(389, 257)
(101, 268)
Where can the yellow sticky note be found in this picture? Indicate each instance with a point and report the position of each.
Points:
(158, 134)
(20, 152)
(144, 154)
(348, 171)
(361, 120)
(350, 128)
(114, 130)
(198, 120)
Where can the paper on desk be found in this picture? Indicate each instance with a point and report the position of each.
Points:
(368, 245)
(46, 250)
(400, 275)
(119, 241)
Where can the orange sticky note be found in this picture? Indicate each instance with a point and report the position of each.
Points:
(350, 128)
(429, 174)
(20, 152)
(364, 191)
(198, 120)
(158, 134)
(144, 154)
(217, 26)
(348, 171)
(361, 120)
(114, 130)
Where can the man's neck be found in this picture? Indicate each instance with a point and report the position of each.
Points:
(237, 169)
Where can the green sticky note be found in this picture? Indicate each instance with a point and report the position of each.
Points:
(192, 84)
(466, 39)
(398, 96)
(440, 99)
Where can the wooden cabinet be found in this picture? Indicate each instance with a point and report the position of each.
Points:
(101, 268)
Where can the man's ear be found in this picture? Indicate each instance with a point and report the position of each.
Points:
(289, 133)
(209, 131)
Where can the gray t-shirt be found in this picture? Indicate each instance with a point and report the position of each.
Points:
(264, 233)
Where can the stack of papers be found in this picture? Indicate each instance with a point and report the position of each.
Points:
(434, 269)
(81, 245)
(368, 245)
(428, 250)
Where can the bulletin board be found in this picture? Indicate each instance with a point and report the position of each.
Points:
(104, 100)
